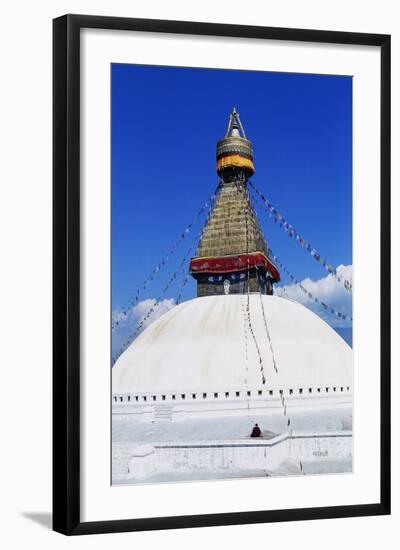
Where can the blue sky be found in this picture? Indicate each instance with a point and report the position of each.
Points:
(165, 125)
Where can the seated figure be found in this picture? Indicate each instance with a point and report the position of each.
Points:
(256, 432)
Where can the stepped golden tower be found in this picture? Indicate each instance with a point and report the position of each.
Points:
(233, 253)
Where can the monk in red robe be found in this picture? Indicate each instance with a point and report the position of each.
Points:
(256, 431)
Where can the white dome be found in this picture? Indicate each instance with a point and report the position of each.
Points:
(200, 345)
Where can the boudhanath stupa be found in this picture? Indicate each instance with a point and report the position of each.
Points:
(189, 389)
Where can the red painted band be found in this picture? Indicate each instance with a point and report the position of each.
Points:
(232, 264)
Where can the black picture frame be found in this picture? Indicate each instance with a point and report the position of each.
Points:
(66, 273)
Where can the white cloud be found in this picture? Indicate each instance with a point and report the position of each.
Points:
(126, 323)
(329, 291)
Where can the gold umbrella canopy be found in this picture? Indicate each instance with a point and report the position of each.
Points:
(235, 151)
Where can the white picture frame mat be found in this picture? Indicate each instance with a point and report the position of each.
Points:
(101, 501)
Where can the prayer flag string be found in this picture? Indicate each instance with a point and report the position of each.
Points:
(156, 304)
(247, 200)
(277, 217)
(261, 301)
(133, 300)
(307, 293)
(180, 269)
(267, 329)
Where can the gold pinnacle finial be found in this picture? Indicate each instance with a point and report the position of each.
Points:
(234, 125)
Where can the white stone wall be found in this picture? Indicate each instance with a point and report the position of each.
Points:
(221, 398)
(150, 410)
(235, 455)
